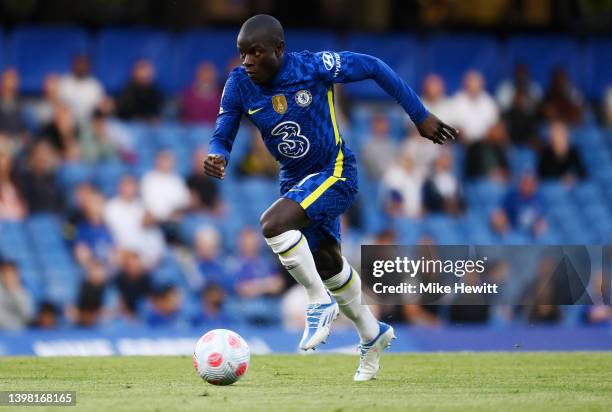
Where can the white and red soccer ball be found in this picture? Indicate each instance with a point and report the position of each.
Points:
(221, 357)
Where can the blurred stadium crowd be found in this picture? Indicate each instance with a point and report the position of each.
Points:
(106, 218)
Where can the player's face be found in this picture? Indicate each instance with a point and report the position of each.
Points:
(260, 58)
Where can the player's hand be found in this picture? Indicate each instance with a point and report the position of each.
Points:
(436, 130)
(214, 166)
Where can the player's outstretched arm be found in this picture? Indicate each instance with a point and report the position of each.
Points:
(226, 127)
(346, 67)
(436, 130)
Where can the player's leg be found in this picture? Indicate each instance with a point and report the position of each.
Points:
(280, 226)
(344, 284)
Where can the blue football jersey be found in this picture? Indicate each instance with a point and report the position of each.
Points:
(295, 112)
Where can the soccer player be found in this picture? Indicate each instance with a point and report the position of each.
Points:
(290, 98)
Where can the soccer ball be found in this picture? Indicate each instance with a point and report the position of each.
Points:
(221, 357)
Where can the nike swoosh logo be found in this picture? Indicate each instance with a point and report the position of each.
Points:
(252, 112)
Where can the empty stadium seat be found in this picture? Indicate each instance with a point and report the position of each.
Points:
(451, 56)
(117, 50)
(398, 51)
(39, 50)
(598, 55)
(311, 40)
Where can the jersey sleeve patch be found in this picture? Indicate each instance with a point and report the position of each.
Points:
(331, 61)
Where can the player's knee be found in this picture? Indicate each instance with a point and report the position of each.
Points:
(328, 265)
(270, 227)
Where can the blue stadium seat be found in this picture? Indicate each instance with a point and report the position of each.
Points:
(170, 135)
(194, 47)
(169, 272)
(39, 50)
(451, 56)
(443, 229)
(398, 51)
(118, 49)
(3, 51)
(312, 40)
(522, 159)
(107, 175)
(408, 231)
(553, 193)
(199, 135)
(72, 174)
(542, 54)
(598, 55)
(191, 223)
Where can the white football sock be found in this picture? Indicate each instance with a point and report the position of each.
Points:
(345, 287)
(295, 255)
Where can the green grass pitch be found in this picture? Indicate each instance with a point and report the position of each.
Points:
(410, 382)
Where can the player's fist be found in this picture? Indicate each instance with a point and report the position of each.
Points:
(214, 166)
(436, 130)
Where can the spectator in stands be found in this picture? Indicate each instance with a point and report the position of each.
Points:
(520, 83)
(607, 108)
(75, 215)
(42, 109)
(79, 90)
(488, 158)
(97, 144)
(258, 162)
(598, 313)
(435, 98)
(133, 282)
(91, 297)
(141, 99)
(164, 307)
(132, 227)
(559, 159)
(165, 194)
(211, 264)
(47, 317)
(204, 190)
(212, 299)
(200, 102)
(254, 275)
(469, 308)
(379, 147)
(521, 209)
(11, 113)
(15, 300)
(12, 206)
(474, 110)
(422, 152)
(540, 297)
(521, 119)
(562, 100)
(93, 239)
(38, 182)
(62, 130)
(442, 191)
(403, 186)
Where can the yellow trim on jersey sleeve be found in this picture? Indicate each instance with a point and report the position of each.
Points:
(332, 112)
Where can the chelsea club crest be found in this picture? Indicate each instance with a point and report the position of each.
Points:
(303, 98)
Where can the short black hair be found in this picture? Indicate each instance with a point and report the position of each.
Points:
(265, 23)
